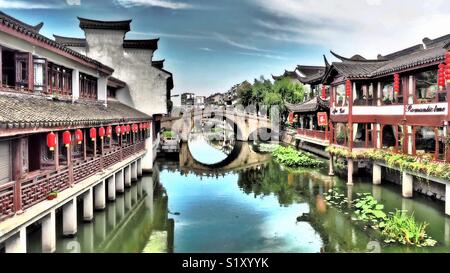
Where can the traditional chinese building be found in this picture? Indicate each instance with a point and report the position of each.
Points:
(137, 81)
(309, 119)
(65, 132)
(397, 102)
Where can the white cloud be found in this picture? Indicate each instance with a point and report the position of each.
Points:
(366, 27)
(9, 4)
(168, 4)
(240, 45)
(205, 49)
(73, 2)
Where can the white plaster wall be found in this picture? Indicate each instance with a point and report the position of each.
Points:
(146, 85)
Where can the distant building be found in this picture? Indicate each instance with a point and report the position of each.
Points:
(231, 97)
(215, 99)
(200, 102)
(187, 99)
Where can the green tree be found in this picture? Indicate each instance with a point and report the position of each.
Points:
(290, 91)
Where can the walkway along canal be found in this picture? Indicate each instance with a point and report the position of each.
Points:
(260, 207)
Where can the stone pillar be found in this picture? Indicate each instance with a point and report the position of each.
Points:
(134, 173)
(447, 199)
(48, 234)
(128, 200)
(378, 135)
(88, 206)
(70, 218)
(410, 139)
(17, 243)
(111, 188)
(376, 178)
(331, 166)
(139, 167)
(120, 186)
(407, 185)
(75, 84)
(134, 195)
(127, 176)
(147, 160)
(350, 171)
(112, 215)
(100, 200)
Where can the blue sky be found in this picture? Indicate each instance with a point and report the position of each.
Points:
(210, 45)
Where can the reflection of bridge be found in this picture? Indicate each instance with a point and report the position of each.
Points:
(242, 157)
(246, 126)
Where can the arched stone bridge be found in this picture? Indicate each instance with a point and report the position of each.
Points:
(242, 157)
(246, 126)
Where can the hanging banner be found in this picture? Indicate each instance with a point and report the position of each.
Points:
(291, 118)
(322, 119)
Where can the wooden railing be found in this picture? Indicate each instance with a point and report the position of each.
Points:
(322, 135)
(15, 196)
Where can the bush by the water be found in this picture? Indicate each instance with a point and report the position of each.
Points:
(290, 157)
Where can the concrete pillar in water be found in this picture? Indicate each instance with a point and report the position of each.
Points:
(70, 218)
(139, 166)
(112, 215)
(407, 185)
(48, 233)
(88, 206)
(134, 173)
(376, 178)
(111, 188)
(331, 166)
(120, 186)
(127, 176)
(17, 243)
(447, 199)
(128, 200)
(139, 188)
(350, 172)
(100, 200)
(147, 160)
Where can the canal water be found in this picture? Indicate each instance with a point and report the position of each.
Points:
(250, 204)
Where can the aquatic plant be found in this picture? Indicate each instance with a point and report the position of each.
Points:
(290, 157)
(403, 228)
(396, 227)
(168, 134)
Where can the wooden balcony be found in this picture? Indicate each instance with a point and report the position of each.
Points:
(16, 196)
(313, 136)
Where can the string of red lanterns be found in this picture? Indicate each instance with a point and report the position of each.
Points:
(447, 62)
(396, 83)
(348, 88)
(441, 76)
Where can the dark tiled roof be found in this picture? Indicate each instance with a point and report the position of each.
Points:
(289, 74)
(159, 64)
(310, 106)
(141, 44)
(351, 69)
(69, 41)
(23, 110)
(98, 24)
(116, 83)
(32, 32)
(21, 24)
(401, 53)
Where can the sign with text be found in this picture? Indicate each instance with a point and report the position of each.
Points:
(322, 118)
(426, 109)
(291, 118)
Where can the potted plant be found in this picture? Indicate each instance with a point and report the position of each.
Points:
(52, 195)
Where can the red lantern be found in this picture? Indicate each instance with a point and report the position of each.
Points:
(140, 126)
(78, 136)
(109, 131)
(101, 132)
(51, 141)
(93, 134)
(135, 128)
(396, 83)
(118, 130)
(441, 76)
(447, 64)
(128, 128)
(324, 92)
(348, 88)
(123, 129)
(67, 138)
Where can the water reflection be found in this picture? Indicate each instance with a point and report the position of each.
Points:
(125, 225)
